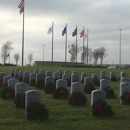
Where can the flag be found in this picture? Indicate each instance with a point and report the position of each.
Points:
(8, 55)
(85, 36)
(82, 34)
(64, 31)
(49, 30)
(21, 6)
(74, 33)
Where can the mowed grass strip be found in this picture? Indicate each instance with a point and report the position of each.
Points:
(61, 114)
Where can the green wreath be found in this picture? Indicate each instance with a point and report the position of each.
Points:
(32, 82)
(77, 99)
(89, 88)
(125, 98)
(19, 100)
(40, 84)
(60, 93)
(35, 110)
(101, 108)
(49, 88)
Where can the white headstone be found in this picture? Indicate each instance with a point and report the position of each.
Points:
(104, 83)
(12, 82)
(32, 76)
(74, 78)
(36, 71)
(102, 75)
(67, 72)
(123, 74)
(74, 72)
(112, 74)
(56, 75)
(40, 77)
(88, 80)
(77, 87)
(48, 73)
(83, 75)
(43, 72)
(32, 96)
(124, 87)
(97, 95)
(5, 79)
(61, 83)
(21, 87)
(125, 79)
(49, 79)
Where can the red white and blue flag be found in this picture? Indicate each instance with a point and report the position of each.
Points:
(21, 6)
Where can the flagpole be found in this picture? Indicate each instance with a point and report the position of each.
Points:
(76, 46)
(87, 47)
(9, 58)
(23, 37)
(66, 45)
(83, 44)
(52, 40)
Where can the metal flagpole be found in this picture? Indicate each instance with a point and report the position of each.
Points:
(66, 45)
(87, 47)
(83, 44)
(23, 37)
(52, 40)
(76, 44)
(120, 49)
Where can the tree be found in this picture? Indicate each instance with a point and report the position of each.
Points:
(95, 54)
(5, 51)
(16, 57)
(86, 53)
(102, 54)
(72, 51)
(30, 57)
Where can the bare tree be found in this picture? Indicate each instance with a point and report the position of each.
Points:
(30, 57)
(87, 53)
(16, 57)
(72, 51)
(96, 55)
(102, 54)
(5, 51)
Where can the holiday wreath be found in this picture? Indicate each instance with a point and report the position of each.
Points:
(26, 80)
(20, 78)
(96, 82)
(7, 92)
(125, 98)
(89, 88)
(77, 99)
(60, 93)
(19, 100)
(49, 88)
(109, 92)
(40, 84)
(101, 108)
(32, 82)
(1, 82)
(36, 110)
(114, 79)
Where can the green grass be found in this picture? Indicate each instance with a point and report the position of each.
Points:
(63, 116)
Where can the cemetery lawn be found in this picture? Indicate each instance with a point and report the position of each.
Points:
(63, 116)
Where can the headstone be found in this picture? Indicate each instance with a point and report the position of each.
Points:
(32, 76)
(42, 72)
(95, 76)
(74, 72)
(5, 79)
(74, 78)
(102, 75)
(26, 77)
(49, 79)
(83, 75)
(125, 79)
(16, 73)
(48, 73)
(67, 72)
(123, 74)
(96, 80)
(40, 77)
(104, 83)
(61, 83)
(12, 72)
(21, 75)
(21, 87)
(97, 95)
(65, 76)
(36, 71)
(32, 96)
(12, 82)
(112, 74)
(88, 80)
(77, 87)
(56, 75)
(60, 73)
(2, 74)
(124, 87)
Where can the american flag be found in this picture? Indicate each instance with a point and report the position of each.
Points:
(21, 6)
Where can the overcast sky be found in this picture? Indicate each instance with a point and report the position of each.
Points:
(103, 18)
